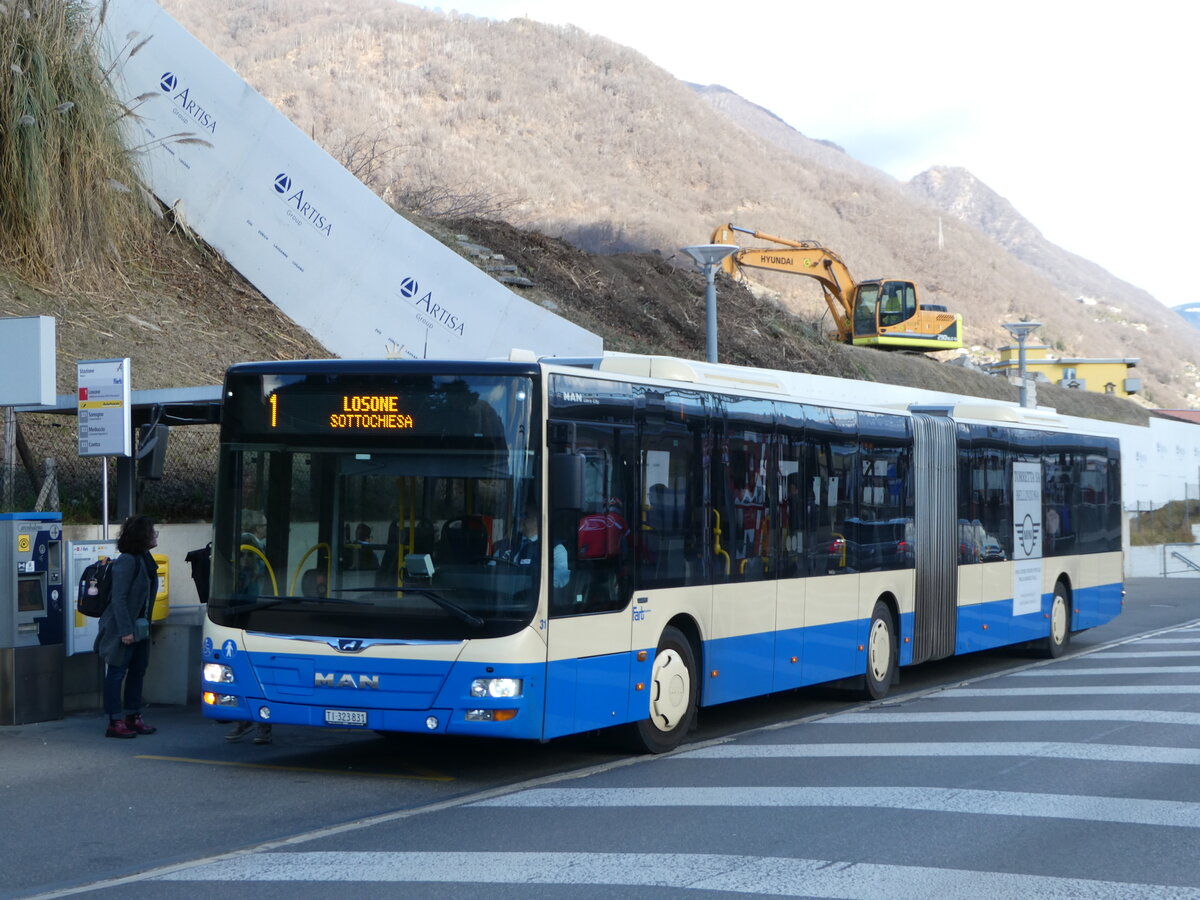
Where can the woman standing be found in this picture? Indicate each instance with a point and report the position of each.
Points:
(124, 639)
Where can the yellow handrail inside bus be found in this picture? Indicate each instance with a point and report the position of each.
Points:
(717, 540)
(250, 548)
(408, 511)
(300, 565)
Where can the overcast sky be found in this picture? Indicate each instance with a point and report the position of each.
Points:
(1081, 114)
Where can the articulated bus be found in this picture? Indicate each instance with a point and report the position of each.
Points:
(532, 548)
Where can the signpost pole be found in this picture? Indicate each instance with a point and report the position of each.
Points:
(104, 498)
(10, 457)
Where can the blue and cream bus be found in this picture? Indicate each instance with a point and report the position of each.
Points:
(699, 533)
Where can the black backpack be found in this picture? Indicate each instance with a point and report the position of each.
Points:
(95, 588)
(201, 562)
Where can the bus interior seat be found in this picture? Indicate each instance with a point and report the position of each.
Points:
(424, 537)
(464, 539)
(312, 583)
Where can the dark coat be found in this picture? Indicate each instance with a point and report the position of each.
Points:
(133, 592)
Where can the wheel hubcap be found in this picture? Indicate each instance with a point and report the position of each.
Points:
(879, 650)
(670, 690)
(1058, 619)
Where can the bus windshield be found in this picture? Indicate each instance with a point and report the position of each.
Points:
(380, 507)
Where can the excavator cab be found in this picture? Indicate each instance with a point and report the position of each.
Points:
(887, 315)
(883, 304)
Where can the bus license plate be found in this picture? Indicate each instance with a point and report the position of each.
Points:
(345, 717)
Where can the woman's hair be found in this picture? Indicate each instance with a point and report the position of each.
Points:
(137, 535)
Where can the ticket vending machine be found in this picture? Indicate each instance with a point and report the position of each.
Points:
(32, 617)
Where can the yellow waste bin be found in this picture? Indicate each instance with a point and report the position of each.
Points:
(162, 600)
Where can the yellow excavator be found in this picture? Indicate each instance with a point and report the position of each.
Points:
(883, 313)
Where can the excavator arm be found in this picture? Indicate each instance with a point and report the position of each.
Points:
(798, 258)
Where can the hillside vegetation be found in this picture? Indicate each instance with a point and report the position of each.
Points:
(557, 131)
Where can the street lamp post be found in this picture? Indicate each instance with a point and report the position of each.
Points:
(1021, 331)
(708, 257)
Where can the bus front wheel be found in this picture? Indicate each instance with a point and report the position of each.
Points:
(673, 689)
(881, 652)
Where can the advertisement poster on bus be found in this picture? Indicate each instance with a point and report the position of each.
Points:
(1027, 538)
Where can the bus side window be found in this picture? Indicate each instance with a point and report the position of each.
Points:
(670, 528)
(596, 537)
(831, 466)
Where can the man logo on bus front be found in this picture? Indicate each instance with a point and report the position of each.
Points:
(349, 645)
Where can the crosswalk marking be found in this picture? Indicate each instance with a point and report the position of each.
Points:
(1145, 716)
(1122, 753)
(1069, 689)
(769, 876)
(1129, 811)
(1067, 670)
(1143, 654)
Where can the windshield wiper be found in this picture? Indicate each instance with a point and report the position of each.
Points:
(449, 605)
(267, 602)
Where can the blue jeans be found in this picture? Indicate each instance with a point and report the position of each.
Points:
(132, 675)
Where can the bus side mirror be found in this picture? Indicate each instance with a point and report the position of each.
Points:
(566, 481)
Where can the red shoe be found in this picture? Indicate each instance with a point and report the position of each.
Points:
(118, 728)
(136, 723)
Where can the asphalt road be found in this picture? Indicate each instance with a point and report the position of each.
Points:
(767, 796)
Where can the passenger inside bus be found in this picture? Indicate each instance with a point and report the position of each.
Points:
(362, 554)
(252, 570)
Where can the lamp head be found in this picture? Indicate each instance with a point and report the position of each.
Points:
(1022, 330)
(709, 254)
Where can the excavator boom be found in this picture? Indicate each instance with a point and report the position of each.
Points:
(799, 258)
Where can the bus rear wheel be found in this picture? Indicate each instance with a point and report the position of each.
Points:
(1060, 624)
(673, 689)
(881, 652)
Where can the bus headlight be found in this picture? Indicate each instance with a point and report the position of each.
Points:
(497, 687)
(218, 674)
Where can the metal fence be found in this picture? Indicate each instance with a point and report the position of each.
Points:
(1170, 522)
(49, 474)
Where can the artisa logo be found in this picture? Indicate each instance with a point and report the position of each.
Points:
(440, 314)
(186, 104)
(306, 210)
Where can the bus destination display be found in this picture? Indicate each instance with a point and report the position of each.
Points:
(358, 412)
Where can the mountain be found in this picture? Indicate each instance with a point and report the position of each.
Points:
(576, 137)
(1115, 303)
(1190, 312)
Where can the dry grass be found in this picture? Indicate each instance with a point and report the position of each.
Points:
(69, 200)
(1169, 524)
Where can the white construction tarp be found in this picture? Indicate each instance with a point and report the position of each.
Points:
(319, 244)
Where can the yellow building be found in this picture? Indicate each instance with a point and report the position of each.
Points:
(1104, 376)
